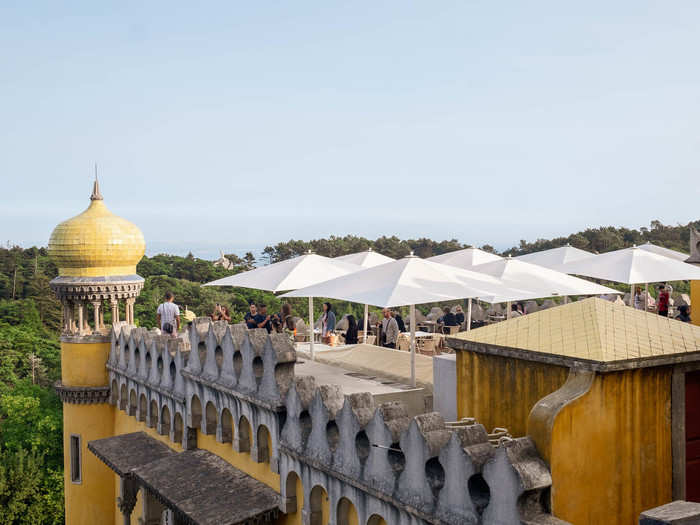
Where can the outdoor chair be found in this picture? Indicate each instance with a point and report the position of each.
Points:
(426, 346)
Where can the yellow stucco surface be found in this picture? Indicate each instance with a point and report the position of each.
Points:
(610, 448)
(83, 364)
(500, 391)
(93, 498)
(295, 518)
(695, 302)
(242, 461)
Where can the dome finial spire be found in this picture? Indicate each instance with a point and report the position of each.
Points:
(96, 195)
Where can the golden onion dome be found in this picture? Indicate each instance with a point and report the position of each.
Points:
(96, 243)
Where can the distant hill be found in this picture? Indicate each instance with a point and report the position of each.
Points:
(603, 239)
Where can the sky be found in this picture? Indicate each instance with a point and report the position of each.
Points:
(236, 125)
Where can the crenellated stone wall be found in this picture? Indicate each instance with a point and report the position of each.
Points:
(239, 385)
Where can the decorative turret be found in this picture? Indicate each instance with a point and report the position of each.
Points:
(96, 253)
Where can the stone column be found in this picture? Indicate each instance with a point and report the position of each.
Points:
(96, 311)
(126, 501)
(81, 316)
(115, 311)
(102, 315)
(152, 509)
(71, 317)
(130, 310)
(65, 306)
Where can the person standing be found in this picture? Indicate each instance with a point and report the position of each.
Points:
(459, 315)
(390, 329)
(220, 313)
(448, 318)
(249, 318)
(399, 321)
(639, 299)
(262, 320)
(351, 332)
(327, 322)
(168, 315)
(286, 320)
(662, 302)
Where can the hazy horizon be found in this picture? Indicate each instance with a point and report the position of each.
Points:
(236, 126)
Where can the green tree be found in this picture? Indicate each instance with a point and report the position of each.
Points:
(30, 492)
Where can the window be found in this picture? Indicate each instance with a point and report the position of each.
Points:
(75, 459)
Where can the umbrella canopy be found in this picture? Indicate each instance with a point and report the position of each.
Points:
(407, 281)
(366, 259)
(291, 274)
(660, 250)
(555, 258)
(634, 266)
(532, 281)
(466, 258)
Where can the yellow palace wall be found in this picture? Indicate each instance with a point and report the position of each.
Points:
(95, 497)
(91, 499)
(608, 446)
(500, 391)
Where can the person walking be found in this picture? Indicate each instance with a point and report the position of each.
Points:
(662, 301)
(168, 315)
(390, 329)
(327, 323)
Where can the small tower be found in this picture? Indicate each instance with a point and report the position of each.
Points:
(96, 253)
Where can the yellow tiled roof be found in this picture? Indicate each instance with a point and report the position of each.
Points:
(592, 329)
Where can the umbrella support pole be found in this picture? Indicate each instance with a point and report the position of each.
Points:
(632, 295)
(646, 296)
(469, 314)
(364, 328)
(413, 345)
(311, 327)
(508, 309)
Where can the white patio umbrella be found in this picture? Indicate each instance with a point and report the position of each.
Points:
(634, 266)
(291, 274)
(660, 250)
(366, 259)
(466, 259)
(555, 258)
(407, 281)
(532, 281)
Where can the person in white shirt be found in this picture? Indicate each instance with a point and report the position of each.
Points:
(168, 315)
(390, 329)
